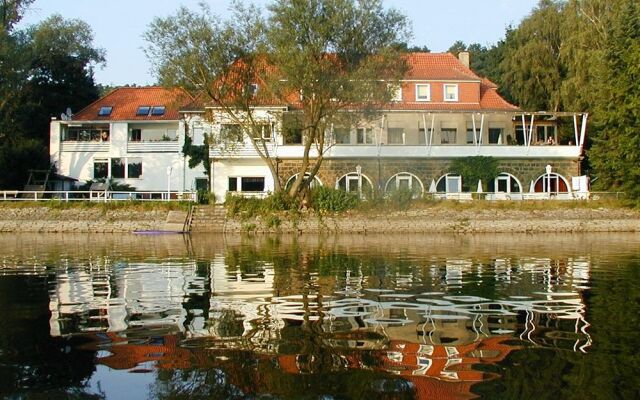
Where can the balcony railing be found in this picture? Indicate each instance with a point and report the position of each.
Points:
(100, 196)
(164, 146)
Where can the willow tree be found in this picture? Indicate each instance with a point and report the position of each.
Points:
(318, 57)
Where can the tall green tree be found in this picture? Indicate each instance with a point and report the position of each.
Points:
(615, 154)
(322, 56)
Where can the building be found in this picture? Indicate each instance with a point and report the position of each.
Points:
(442, 111)
(133, 135)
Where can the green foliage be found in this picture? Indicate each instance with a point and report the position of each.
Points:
(249, 207)
(473, 169)
(17, 157)
(197, 154)
(332, 200)
(401, 199)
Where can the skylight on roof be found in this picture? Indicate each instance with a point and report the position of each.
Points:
(105, 111)
(157, 110)
(143, 111)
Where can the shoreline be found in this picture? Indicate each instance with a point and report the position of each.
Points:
(428, 220)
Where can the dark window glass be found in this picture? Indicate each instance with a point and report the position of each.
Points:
(495, 135)
(233, 184)
(87, 134)
(117, 168)
(143, 111)
(251, 184)
(294, 136)
(135, 135)
(105, 111)
(100, 169)
(134, 167)
(202, 184)
(157, 110)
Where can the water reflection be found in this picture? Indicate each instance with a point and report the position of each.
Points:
(359, 316)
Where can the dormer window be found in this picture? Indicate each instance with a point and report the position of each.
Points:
(105, 111)
(450, 92)
(157, 110)
(423, 92)
(143, 111)
(253, 89)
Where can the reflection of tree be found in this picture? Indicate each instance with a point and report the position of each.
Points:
(30, 359)
(609, 370)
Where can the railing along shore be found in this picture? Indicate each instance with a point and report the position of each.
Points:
(99, 196)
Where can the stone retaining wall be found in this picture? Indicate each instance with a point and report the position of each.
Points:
(449, 221)
(96, 220)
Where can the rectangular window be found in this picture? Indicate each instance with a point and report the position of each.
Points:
(143, 111)
(293, 136)
(105, 111)
(448, 135)
(365, 136)
(117, 168)
(342, 135)
(233, 184)
(252, 184)
(470, 136)
(135, 135)
(495, 135)
(86, 134)
(157, 110)
(264, 132)
(450, 92)
(395, 135)
(100, 168)
(454, 184)
(231, 132)
(134, 167)
(423, 92)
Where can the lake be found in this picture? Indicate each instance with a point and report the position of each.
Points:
(319, 317)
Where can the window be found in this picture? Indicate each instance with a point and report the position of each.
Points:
(405, 181)
(396, 92)
(395, 135)
(89, 133)
(100, 168)
(246, 184)
(342, 135)
(449, 184)
(253, 89)
(470, 136)
(293, 136)
(423, 92)
(143, 111)
(231, 132)
(505, 183)
(117, 168)
(450, 92)
(157, 110)
(264, 132)
(135, 135)
(105, 111)
(495, 135)
(422, 139)
(134, 167)
(365, 136)
(448, 135)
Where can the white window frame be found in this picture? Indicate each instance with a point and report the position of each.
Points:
(449, 182)
(420, 85)
(444, 91)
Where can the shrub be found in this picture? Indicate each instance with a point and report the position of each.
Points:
(333, 200)
(401, 199)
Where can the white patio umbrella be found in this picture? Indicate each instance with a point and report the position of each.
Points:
(532, 187)
(432, 187)
(479, 186)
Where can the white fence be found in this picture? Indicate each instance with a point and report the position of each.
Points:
(104, 196)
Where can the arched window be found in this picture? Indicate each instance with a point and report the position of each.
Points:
(505, 183)
(405, 181)
(357, 183)
(551, 183)
(315, 183)
(449, 183)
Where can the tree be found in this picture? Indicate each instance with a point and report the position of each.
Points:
(320, 57)
(11, 12)
(615, 154)
(531, 69)
(473, 169)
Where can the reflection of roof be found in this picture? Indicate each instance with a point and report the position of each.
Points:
(126, 100)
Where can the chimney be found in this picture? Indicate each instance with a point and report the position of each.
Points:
(463, 56)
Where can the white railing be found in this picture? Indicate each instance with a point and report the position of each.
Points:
(103, 196)
(154, 147)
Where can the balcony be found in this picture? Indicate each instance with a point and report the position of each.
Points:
(160, 146)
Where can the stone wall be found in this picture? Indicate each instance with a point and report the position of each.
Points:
(426, 169)
(96, 220)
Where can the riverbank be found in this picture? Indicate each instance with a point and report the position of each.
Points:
(435, 219)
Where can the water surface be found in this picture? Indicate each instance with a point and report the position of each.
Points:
(314, 317)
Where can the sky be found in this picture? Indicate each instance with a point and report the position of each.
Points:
(118, 26)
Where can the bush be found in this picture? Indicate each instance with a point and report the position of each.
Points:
(332, 200)
(401, 199)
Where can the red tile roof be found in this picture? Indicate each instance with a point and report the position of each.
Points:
(126, 100)
(438, 66)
